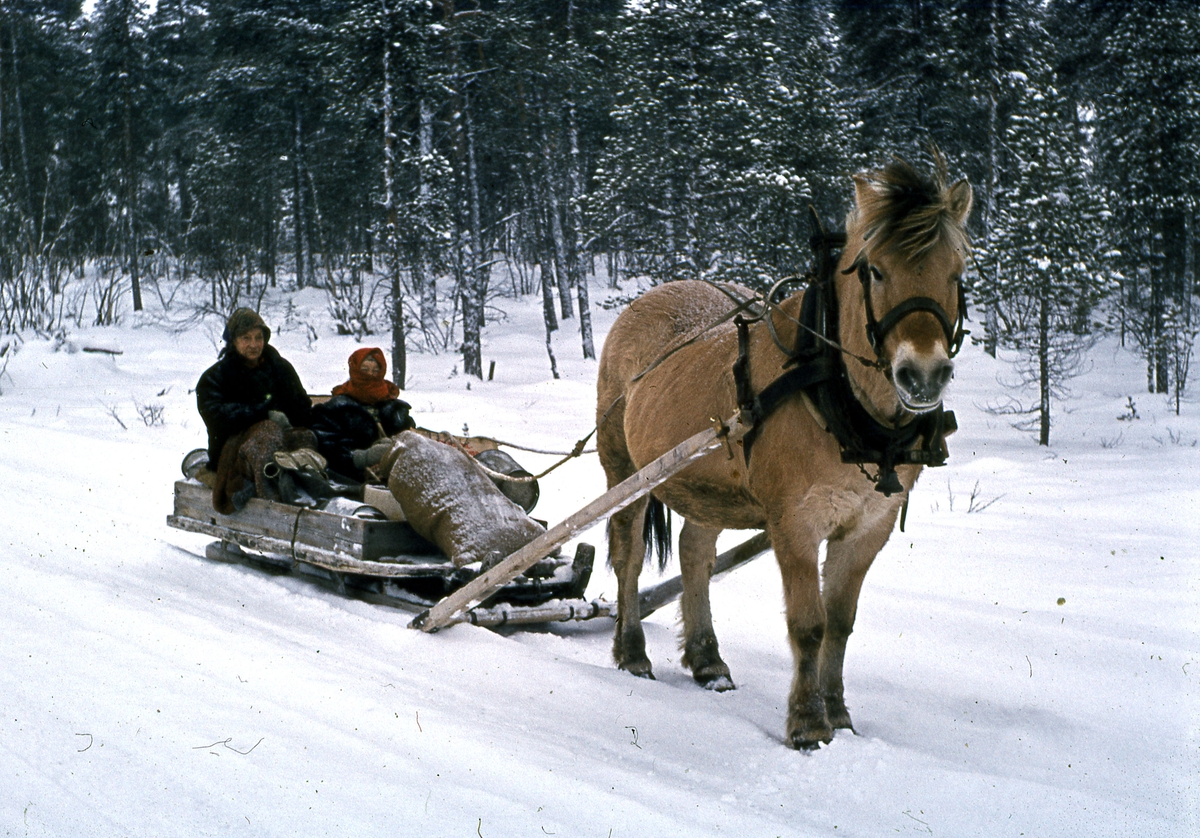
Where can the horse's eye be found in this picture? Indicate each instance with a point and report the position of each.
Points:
(875, 274)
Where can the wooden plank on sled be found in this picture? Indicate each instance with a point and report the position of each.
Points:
(285, 553)
(612, 501)
(389, 592)
(284, 526)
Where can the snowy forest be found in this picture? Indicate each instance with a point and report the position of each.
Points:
(419, 160)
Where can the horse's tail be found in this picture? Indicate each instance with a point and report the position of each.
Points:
(656, 532)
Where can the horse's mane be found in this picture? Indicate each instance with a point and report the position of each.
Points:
(908, 211)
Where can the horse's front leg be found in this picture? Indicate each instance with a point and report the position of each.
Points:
(847, 560)
(697, 555)
(796, 552)
(626, 554)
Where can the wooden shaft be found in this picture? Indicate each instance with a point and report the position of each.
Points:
(612, 501)
(654, 598)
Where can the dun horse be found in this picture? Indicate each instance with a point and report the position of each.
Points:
(855, 411)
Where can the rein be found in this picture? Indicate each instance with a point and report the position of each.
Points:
(816, 369)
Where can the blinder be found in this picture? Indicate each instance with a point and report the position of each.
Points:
(877, 330)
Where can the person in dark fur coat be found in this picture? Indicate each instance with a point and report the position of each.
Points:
(249, 380)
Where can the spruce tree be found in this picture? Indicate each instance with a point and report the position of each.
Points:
(119, 57)
(50, 162)
(1146, 90)
(720, 139)
(1045, 254)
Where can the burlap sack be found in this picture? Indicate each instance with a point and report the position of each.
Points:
(448, 500)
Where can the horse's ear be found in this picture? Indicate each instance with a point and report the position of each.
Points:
(864, 192)
(960, 200)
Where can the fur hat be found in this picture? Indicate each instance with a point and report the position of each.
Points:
(242, 321)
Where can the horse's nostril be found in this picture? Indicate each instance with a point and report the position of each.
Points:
(906, 378)
(945, 374)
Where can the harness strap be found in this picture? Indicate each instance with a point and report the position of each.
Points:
(911, 305)
(877, 330)
(799, 378)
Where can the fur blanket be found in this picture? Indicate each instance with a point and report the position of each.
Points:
(240, 471)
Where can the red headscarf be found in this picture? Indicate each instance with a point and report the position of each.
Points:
(367, 390)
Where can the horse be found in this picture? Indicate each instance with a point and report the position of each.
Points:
(872, 377)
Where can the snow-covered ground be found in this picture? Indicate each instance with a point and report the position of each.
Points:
(1027, 669)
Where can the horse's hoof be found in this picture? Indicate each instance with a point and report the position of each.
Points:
(806, 741)
(839, 717)
(717, 683)
(641, 669)
(810, 734)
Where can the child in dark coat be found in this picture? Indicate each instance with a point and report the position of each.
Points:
(363, 409)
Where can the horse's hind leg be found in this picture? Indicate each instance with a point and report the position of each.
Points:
(697, 554)
(626, 554)
(847, 560)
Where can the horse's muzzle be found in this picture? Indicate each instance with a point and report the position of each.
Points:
(920, 383)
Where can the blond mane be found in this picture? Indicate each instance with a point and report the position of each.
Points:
(909, 212)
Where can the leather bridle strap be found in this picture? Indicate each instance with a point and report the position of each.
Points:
(878, 330)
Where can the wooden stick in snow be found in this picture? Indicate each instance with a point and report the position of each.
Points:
(614, 500)
(652, 599)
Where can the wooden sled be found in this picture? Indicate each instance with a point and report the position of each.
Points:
(381, 561)
(387, 562)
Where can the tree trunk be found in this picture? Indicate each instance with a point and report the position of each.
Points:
(537, 245)
(560, 246)
(474, 292)
(1183, 354)
(399, 337)
(1158, 310)
(1043, 367)
(991, 321)
(554, 210)
(576, 215)
(270, 243)
(303, 251)
(1189, 262)
(423, 277)
(549, 315)
(20, 117)
(132, 249)
(3, 106)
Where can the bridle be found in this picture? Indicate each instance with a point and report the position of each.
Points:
(877, 330)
